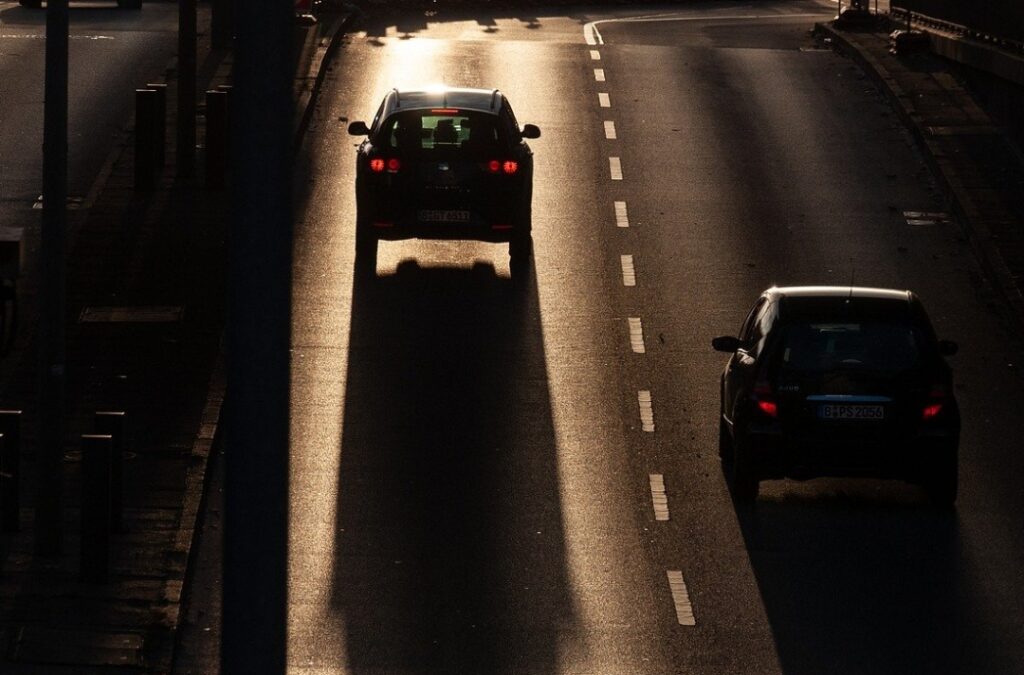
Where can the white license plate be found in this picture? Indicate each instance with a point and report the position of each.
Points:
(844, 411)
(444, 216)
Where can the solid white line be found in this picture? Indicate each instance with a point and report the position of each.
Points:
(643, 397)
(604, 100)
(636, 335)
(658, 496)
(621, 216)
(628, 272)
(615, 167)
(609, 130)
(592, 35)
(681, 598)
(595, 55)
(599, 74)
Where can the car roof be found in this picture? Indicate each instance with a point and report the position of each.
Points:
(483, 100)
(839, 292)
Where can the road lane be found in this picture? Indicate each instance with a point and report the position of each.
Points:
(758, 163)
(466, 497)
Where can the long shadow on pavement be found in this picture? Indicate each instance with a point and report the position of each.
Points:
(449, 551)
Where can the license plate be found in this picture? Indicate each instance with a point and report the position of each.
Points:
(843, 411)
(444, 216)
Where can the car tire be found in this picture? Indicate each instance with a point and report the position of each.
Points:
(745, 481)
(366, 249)
(725, 451)
(520, 258)
(942, 481)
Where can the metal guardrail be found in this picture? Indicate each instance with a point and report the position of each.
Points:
(998, 24)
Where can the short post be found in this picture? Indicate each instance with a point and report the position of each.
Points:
(160, 124)
(145, 150)
(111, 423)
(216, 137)
(10, 470)
(95, 552)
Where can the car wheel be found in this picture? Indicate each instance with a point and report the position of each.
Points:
(724, 441)
(366, 249)
(942, 481)
(745, 482)
(520, 257)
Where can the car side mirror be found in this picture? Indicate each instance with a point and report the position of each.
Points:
(948, 347)
(531, 131)
(726, 343)
(358, 129)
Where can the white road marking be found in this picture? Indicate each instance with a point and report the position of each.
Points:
(621, 217)
(658, 496)
(615, 166)
(599, 74)
(604, 100)
(595, 55)
(681, 598)
(643, 397)
(636, 335)
(592, 35)
(609, 130)
(628, 272)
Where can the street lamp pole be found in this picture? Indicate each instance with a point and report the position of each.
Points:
(49, 456)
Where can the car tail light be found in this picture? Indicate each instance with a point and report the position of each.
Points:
(765, 400)
(379, 164)
(936, 400)
(508, 166)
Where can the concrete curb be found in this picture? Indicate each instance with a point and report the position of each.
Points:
(958, 196)
(317, 73)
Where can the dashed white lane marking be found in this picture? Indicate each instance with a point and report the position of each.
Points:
(643, 397)
(609, 130)
(636, 335)
(628, 272)
(621, 217)
(681, 598)
(926, 218)
(599, 74)
(595, 55)
(615, 167)
(658, 496)
(604, 100)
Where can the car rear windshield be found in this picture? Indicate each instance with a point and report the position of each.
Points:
(442, 131)
(827, 346)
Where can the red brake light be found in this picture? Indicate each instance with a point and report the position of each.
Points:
(764, 399)
(935, 400)
(770, 408)
(394, 165)
(376, 165)
(510, 167)
(494, 166)
(444, 111)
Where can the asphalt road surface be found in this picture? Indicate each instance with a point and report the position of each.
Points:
(111, 52)
(475, 473)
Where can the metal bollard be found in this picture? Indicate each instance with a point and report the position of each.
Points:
(112, 423)
(95, 550)
(216, 137)
(10, 470)
(160, 124)
(145, 150)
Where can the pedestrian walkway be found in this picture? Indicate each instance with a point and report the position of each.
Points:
(145, 316)
(979, 168)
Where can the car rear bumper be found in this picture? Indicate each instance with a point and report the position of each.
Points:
(909, 458)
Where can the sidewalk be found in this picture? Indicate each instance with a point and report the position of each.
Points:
(145, 302)
(979, 169)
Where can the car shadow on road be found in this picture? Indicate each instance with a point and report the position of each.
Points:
(867, 580)
(449, 549)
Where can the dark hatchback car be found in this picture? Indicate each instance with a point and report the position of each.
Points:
(445, 163)
(838, 381)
